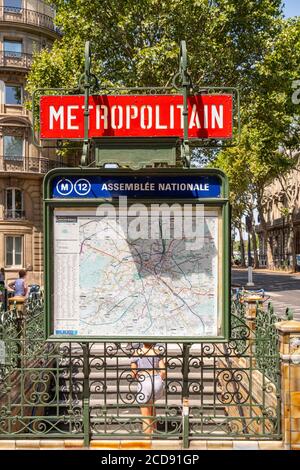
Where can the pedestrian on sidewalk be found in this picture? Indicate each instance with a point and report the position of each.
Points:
(2, 286)
(19, 286)
(148, 368)
(2, 277)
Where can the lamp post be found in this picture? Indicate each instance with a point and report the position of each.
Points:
(250, 271)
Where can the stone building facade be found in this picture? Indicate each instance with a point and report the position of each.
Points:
(25, 26)
(279, 235)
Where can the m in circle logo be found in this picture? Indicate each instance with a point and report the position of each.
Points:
(64, 187)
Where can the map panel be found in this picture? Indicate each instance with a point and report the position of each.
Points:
(109, 284)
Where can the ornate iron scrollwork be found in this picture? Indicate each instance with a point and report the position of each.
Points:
(232, 391)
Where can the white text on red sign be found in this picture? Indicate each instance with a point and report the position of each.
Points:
(209, 116)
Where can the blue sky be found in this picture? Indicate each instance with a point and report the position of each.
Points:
(291, 8)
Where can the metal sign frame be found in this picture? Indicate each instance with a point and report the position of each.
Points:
(181, 85)
(51, 203)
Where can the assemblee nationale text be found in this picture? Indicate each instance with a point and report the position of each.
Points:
(155, 186)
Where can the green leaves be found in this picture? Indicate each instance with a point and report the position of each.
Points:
(136, 43)
(59, 68)
(270, 120)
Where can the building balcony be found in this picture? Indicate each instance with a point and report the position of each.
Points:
(31, 18)
(15, 60)
(14, 214)
(37, 165)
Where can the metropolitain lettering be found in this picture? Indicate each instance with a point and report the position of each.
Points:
(145, 117)
(136, 116)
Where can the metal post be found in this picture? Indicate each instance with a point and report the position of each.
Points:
(283, 239)
(250, 270)
(185, 395)
(86, 394)
(185, 91)
(86, 85)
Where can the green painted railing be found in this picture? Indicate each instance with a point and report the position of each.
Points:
(266, 342)
(87, 391)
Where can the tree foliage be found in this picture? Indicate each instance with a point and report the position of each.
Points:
(269, 145)
(136, 43)
(270, 132)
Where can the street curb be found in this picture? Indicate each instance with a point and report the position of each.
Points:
(267, 271)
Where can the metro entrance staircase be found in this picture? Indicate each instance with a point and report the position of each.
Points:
(113, 407)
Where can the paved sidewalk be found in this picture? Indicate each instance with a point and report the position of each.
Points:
(77, 444)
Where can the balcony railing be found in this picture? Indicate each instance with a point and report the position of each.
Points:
(30, 164)
(30, 17)
(14, 214)
(18, 60)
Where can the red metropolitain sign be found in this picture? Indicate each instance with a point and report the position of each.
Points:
(209, 116)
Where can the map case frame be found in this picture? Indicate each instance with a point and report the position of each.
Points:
(215, 199)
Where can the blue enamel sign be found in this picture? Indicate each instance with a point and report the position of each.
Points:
(150, 187)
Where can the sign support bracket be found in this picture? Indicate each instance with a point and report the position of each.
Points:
(86, 85)
(186, 84)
